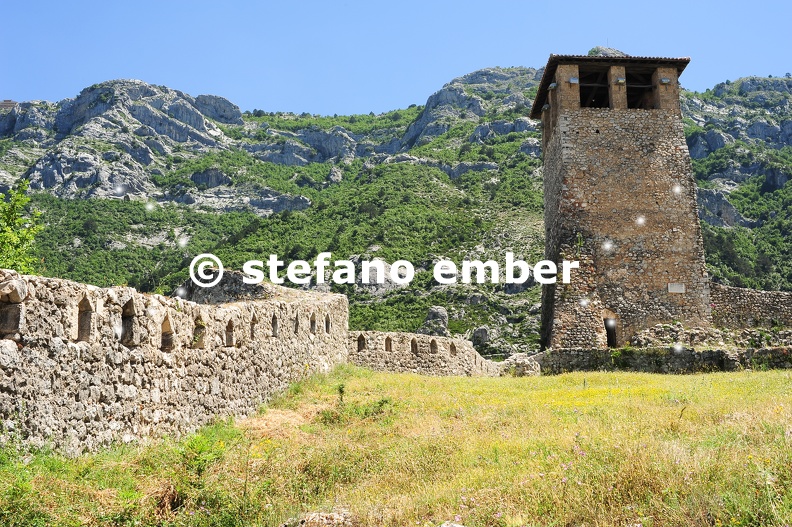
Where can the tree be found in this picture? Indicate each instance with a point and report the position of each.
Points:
(17, 230)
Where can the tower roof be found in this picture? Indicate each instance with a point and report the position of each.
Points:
(648, 63)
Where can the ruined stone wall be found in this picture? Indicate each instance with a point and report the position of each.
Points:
(619, 190)
(424, 354)
(82, 366)
(663, 360)
(735, 307)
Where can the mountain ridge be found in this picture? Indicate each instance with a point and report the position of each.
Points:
(458, 177)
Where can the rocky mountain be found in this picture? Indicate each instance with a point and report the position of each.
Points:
(115, 139)
(134, 179)
(752, 120)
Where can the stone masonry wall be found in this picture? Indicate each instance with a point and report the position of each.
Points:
(735, 307)
(619, 189)
(424, 354)
(577, 312)
(674, 359)
(82, 366)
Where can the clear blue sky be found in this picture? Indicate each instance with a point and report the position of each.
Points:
(348, 57)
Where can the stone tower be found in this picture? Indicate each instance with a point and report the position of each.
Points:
(620, 197)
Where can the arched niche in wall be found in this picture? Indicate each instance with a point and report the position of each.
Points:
(128, 323)
(274, 325)
(199, 333)
(611, 322)
(229, 334)
(166, 335)
(85, 319)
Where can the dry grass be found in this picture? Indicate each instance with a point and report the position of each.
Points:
(577, 449)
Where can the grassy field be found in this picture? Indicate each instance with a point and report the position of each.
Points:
(576, 449)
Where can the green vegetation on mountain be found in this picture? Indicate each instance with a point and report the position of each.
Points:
(112, 242)
(455, 178)
(761, 257)
(740, 136)
(357, 124)
(18, 230)
(393, 212)
(242, 168)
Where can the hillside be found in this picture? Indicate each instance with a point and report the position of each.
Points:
(740, 139)
(135, 179)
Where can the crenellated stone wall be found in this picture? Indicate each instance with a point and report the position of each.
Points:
(424, 354)
(82, 366)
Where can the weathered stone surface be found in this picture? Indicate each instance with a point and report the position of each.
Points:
(436, 322)
(424, 354)
(144, 124)
(209, 178)
(70, 173)
(481, 336)
(470, 96)
(673, 359)
(521, 365)
(241, 198)
(336, 175)
(531, 147)
(219, 108)
(449, 101)
(289, 152)
(715, 209)
(157, 365)
(13, 290)
(496, 128)
(90, 366)
(736, 307)
(9, 355)
(736, 338)
(334, 143)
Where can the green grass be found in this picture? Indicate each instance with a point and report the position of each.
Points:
(398, 449)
